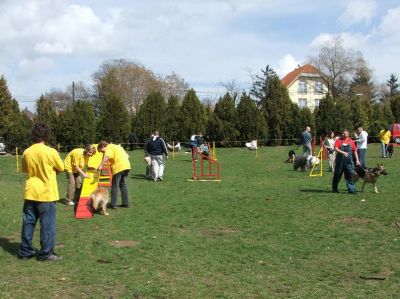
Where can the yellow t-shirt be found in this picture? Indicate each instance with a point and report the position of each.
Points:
(384, 136)
(74, 159)
(42, 163)
(118, 158)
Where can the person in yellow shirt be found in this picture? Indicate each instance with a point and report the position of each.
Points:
(120, 167)
(384, 137)
(42, 164)
(73, 166)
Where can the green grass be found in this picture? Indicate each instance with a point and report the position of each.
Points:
(265, 231)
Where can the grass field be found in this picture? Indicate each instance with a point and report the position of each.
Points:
(265, 231)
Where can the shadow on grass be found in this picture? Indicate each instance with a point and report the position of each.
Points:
(139, 176)
(315, 191)
(11, 247)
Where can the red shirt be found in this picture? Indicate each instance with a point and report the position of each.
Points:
(348, 140)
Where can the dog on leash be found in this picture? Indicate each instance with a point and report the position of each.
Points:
(100, 199)
(305, 162)
(369, 175)
(390, 150)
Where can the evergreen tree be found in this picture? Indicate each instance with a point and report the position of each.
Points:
(359, 116)
(113, 122)
(77, 125)
(304, 119)
(388, 116)
(343, 115)
(395, 107)
(326, 116)
(193, 118)
(13, 124)
(275, 102)
(251, 124)
(46, 114)
(151, 115)
(224, 127)
(393, 86)
(172, 120)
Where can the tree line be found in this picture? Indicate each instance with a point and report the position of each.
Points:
(127, 97)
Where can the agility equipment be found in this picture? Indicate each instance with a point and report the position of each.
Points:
(214, 152)
(97, 178)
(209, 169)
(315, 165)
(17, 159)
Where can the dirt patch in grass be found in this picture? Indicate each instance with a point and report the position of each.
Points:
(220, 232)
(360, 221)
(124, 243)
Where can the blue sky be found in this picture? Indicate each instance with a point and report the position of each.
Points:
(50, 43)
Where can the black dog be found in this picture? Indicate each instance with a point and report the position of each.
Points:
(390, 149)
(291, 156)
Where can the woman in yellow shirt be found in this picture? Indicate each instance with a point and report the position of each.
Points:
(384, 137)
(73, 166)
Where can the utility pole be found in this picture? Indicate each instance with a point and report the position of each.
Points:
(73, 92)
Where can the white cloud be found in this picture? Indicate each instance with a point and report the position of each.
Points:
(389, 27)
(355, 41)
(287, 64)
(358, 11)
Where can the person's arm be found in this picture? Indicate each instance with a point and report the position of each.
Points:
(104, 161)
(357, 160)
(82, 172)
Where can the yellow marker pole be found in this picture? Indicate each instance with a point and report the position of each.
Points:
(214, 152)
(173, 150)
(17, 158)
(312, 174)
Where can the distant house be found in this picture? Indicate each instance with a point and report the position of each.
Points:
(305, 85)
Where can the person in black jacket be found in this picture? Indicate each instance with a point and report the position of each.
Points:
(157, 149)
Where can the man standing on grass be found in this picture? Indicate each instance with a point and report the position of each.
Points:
(361, 140)
(42, 163)
(120, 167)
(345, 148)
(305, 140)
(157, 149)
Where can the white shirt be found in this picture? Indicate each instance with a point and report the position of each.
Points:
(362, 140)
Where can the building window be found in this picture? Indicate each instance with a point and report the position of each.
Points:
(316, 102)
(302, 87)
(302, 103)
(318, 87)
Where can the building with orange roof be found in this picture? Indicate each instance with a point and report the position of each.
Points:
(305, 85)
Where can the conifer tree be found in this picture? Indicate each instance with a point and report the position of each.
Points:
(113, 121)
(224, 121)
(251, 124)
(193, 119)
(172, 120)
(395, 107)
(359, 115)
(325, 116)
(46, 114)
(151, 115)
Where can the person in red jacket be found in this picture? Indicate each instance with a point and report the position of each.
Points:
(345, 148)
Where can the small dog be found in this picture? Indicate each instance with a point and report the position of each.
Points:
(100, 198)
(390, 150)
(369, 175)
(291, 156)
(305, 162)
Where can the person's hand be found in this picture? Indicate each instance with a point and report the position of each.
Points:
(346, 154)
(358, 163)
(86, 176)
(166, 157)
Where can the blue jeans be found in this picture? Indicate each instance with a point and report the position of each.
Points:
(384, 149)
(119, 181)
(45, 212)
(361, 156)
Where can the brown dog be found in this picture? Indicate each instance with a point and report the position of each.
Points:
(100, 198)
(369, 175)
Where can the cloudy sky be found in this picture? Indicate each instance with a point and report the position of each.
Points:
(48, 44)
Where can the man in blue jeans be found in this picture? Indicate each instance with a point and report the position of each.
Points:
(42, 164)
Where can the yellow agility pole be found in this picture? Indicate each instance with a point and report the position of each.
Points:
(17, 158)
(320, 153)
(214, 152)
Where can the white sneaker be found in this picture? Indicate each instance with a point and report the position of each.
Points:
(70, 203)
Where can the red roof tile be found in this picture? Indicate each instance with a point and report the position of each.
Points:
(292, 76)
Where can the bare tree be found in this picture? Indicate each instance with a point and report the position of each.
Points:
(337, 66)
(174, 85)
(232, 87)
